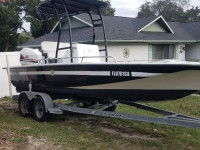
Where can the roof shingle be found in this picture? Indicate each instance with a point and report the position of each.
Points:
(125, 29)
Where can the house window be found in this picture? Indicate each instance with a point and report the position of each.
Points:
(163, 51)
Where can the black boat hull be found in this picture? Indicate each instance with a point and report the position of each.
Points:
(124, 82)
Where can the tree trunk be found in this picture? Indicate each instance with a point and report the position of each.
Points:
(7, 45)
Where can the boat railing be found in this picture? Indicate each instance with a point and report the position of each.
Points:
(86, 57)
(58, 60)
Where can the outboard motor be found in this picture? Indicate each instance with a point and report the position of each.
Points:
(30, 56)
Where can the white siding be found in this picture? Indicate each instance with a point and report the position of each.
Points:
(13, 58)
(193, 52)
(136, 51)
(155, 27)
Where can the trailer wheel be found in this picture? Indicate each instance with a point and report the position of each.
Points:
(24, 105)
(39, 111)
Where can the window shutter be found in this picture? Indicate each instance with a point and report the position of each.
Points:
(177, 51)
(150, 53)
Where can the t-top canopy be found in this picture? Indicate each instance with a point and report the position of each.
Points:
(48, 7)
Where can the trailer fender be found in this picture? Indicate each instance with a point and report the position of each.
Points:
(46, 98)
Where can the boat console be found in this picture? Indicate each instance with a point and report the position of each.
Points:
(82, 53)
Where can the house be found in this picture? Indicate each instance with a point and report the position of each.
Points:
(150, 38)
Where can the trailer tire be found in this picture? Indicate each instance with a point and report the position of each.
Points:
(39, 110)
(24, 105)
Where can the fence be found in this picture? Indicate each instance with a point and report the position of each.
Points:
(7, 59)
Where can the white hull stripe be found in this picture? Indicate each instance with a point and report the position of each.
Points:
(144, 74)
(89, 73)
(84, 73)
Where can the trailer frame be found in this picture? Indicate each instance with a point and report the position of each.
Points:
(50, 107)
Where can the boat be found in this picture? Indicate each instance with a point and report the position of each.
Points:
(96, 84)
(96, 78)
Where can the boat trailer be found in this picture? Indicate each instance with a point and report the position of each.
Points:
(41, 104)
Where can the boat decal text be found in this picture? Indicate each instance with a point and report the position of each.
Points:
(120, 74)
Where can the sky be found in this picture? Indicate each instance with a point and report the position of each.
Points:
(129, 8)
(125, 8)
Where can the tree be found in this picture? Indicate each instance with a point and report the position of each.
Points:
(193, 14)
(108, 11)
(146, 10)
(10, 22)
(23, 37)
(38, 27)
(171, 10)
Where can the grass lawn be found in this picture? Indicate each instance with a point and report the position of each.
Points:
(83, 132)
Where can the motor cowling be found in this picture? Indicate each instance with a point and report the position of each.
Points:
(30, 56)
